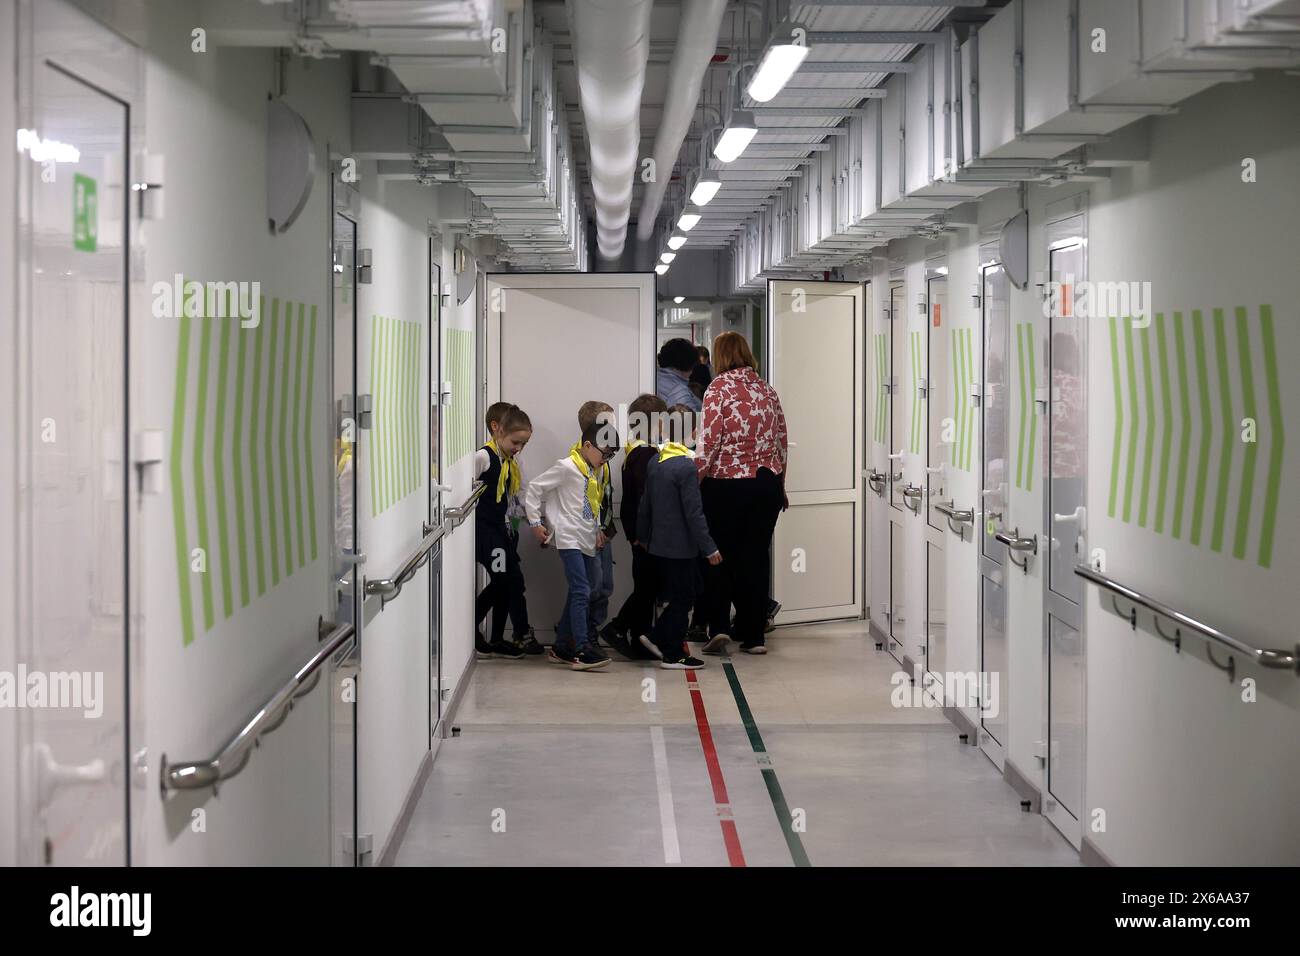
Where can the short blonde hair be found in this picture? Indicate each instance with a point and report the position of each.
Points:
(730, 351)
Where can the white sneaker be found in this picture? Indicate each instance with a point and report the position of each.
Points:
(715, 644)
(649, 645)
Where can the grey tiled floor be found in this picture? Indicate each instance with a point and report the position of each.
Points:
(567, 761)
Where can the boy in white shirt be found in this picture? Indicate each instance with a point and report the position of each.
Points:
(569, 495)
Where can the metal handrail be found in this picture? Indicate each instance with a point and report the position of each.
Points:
(1263, 656)
(457, 516)
(231, 759)
(962, 517)
(386, 589)
(1015, 543)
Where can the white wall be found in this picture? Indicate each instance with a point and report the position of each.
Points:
(1185, 771)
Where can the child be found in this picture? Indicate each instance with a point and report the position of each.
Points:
(671, 526)
(569, 493)
(524, 638)
(495, 548)
(645, 421)
(602, 414)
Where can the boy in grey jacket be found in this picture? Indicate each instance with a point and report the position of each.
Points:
(671, 526)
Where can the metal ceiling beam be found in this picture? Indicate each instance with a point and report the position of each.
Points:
(856, 66)
(854, 37)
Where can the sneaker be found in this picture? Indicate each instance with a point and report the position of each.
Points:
(613, 637)
(682, 663)
(754, 648)
(589, 659)
(506, 651)
(773, 609)
(528, 643)
(482, 649)
(649, 645)
(559, 655)
(716, 643)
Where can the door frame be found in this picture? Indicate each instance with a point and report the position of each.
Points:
(120, 80)
(853, 291)
(1066, 215)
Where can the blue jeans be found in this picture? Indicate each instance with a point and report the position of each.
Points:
(602, 589)
(580, 571)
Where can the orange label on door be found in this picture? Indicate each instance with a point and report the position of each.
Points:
(936, 315)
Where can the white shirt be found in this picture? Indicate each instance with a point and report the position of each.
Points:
(560, 493)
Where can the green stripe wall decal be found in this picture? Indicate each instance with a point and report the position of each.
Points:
(956, 399)
(460, 373)
(395, 434)
(1219, 493)
(233, 461)
(969, 351)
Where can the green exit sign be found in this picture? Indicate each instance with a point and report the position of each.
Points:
(85, 214)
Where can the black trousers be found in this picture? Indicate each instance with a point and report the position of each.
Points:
(681, 581)
(498, 553)
(637, 613)
(742, 514)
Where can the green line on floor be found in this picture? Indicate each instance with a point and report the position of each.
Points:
(774, 791)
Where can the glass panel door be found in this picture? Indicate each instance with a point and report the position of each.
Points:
(939, 390)
(434, 363)
(994, 451)
(1067, 523)
(346, 553)
(73, 618)
(898, 366)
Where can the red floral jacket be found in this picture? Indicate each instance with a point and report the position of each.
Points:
(742, 429)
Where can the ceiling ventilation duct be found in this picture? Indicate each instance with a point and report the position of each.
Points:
(611, 46)
(697, 41)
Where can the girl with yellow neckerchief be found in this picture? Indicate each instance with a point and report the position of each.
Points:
(495, 548)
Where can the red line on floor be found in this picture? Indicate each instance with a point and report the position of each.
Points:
(729, 835)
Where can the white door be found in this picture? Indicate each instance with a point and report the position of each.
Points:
(816, 369)
(1066, 521)
(346, 549)
(554, 342)
(899, 406)
(995, 450)
(937, 399)
(74, 588)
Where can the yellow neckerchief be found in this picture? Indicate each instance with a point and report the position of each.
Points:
(595, 491)
(631, 446)
(509, 472)
(674, 449)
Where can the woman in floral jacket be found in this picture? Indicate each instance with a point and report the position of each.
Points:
(741, 455)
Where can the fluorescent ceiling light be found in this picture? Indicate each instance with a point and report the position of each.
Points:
(740, 130)
(706, 187)
(687, 221)
(667, 257)
(785, 51)
(679, 299)
(660, 269)
(676, 241)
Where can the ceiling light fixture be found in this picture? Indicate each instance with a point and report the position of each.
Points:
(667, 257)
(660, 269)
(686, 222)
(676, 241)
(740, 130)
(785, 51)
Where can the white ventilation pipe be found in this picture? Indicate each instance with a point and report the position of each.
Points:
(697, 41)
(611, 43)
